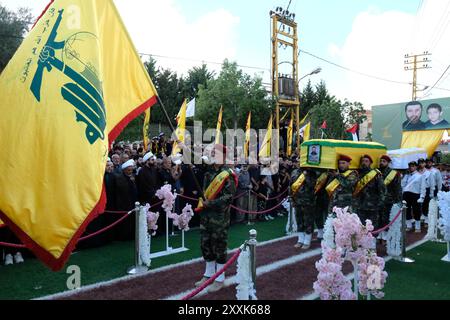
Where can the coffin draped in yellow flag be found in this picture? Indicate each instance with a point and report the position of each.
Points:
(73, 85)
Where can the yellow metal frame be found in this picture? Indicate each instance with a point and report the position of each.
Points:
(277, 22)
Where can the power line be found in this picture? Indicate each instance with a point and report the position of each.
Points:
(434, 85)
(202, 61)
(362, 73)
(351, 70)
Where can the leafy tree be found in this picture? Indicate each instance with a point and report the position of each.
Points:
(13, 26)
(239, 94)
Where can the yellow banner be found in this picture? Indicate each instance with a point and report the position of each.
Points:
(298, 184)
(321, 181)
(428, 140)
(390, 177)
(333, 185)
(74, 83)
(214, 188)
(363, 182)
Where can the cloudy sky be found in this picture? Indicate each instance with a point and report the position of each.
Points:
(370, 37)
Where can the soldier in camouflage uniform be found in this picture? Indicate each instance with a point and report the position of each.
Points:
(342, 195)
(369, 192)
(393, 182)
(215, 221)
(304, 201)
(322, 201)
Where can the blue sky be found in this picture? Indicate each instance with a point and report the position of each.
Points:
(370, 36)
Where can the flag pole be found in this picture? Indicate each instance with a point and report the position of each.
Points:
(197, 184)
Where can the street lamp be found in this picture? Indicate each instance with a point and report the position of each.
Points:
(315, 71)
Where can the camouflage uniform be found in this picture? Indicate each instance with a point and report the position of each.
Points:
(304, 201)
(215, 219)
(322, 203)
(343, 195)
(393, 195)
(369, 202)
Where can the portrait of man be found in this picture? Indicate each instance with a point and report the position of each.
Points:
(435, 117)
(413, 112)
(314, 154)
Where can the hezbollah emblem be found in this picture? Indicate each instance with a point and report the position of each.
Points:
(84, 92)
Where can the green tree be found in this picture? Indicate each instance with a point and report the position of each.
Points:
(239, 94)
(13, 26)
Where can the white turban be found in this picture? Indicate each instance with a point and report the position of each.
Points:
(129, 163)
(148, 156)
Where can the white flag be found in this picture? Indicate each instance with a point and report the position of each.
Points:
(190, 109)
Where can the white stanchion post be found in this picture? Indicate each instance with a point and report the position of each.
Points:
(446, 258)
(252, 250)
(439, 235)
(138, 268)
(182, 239)
(167, 232)
(403, 257)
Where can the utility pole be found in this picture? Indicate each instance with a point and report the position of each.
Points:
(416, 62)
(284, 86)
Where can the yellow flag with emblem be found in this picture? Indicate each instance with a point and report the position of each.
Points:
(290, 132)
(145, 128)
(248, 127)
(74, 83)
(219, 126)
(264, 152)
(181, 127)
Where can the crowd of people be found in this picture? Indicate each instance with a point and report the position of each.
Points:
(134, 175)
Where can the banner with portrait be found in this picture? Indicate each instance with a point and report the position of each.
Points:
(392, 122)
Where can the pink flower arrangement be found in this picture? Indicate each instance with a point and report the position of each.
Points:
(152, 219)
(354, 242)
(165, 193)
(331, 283)
(182, 220)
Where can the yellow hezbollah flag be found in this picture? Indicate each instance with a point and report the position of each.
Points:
(247, 135)
(264, 152)
(428, 140)
(72, 86)
(219, 126)
(290, 131)
(145, 130)
(181, 120)
(305, 131)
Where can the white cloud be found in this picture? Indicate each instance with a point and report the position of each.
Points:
(161, 28)
(377, 45)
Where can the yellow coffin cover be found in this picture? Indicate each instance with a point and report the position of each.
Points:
(324, 154)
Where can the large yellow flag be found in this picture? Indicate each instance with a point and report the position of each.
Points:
(290, 131)
(247, 135)
(264, 151)
(145, 130)
(219, 126)
(72, 86)
(181, 127)
(428, 140)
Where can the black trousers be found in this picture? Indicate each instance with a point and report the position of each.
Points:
(413, 208)
(426, 203)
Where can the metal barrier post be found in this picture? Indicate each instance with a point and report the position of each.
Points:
(138, 268)
(252, 250)
(403, 257)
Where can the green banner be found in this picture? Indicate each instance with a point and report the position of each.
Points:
(389, 121)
